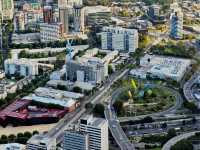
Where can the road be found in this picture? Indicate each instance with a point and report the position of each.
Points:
(57, 131)
(117, 132)
(187, 88)
(171, 110)
(174, 140)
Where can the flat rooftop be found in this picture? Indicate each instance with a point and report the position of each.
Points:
(93, 121)
(62, 102)
(49, 92)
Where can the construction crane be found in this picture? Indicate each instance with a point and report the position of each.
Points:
(69, 49)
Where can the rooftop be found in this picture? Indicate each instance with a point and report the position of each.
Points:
(93, 121)
(49, 92)
(62, 102)
(12, 146)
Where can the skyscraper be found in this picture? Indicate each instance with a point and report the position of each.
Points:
(48, 14)
(78, 15)
(7, 9)
(64, 18)
(176, 24)
(19, 21)
(97, 129)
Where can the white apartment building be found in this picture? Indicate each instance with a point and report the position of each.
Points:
(50, 32)
(75, 140)
(97, 129)
(23, 67)
(121, 39)
(7, 9)
(69, 3)
(40, 142)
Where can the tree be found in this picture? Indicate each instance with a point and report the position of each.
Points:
(19, 135)
(35, 132)
(148, 119)
(89, 105)
(4, 137)
(183, 145)
(11, 137)
(77, 89)
(27, 134)
(110, 69)
(99, 110)
(61, 87)
(164, 125)
(171, 133)
(191, 106)
(118, 106)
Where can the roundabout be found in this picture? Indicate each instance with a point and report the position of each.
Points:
(114, 124)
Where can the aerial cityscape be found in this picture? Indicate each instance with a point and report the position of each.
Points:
(99, 74)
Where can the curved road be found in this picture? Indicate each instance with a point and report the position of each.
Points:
(176, 139)
(187, 88)
(114, 125)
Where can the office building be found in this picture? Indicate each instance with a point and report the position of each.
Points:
(121, 39)
(64, 18)
(48, 14)
(22, 67)
(176, 24)
(97, 15)
(97, 129)
(41, 142)
(78, 16)
(7, 9)
(75, 140)
(154, 11)
(69, 3)
(19, 21)
(50, 32)
(89, 71)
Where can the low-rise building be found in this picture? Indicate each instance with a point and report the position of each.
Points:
(52, 93)
(25, 38)
(57, 75)
(167, 68)
(69, 104)
(22, 67)
(13, 146)
(41, 142)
